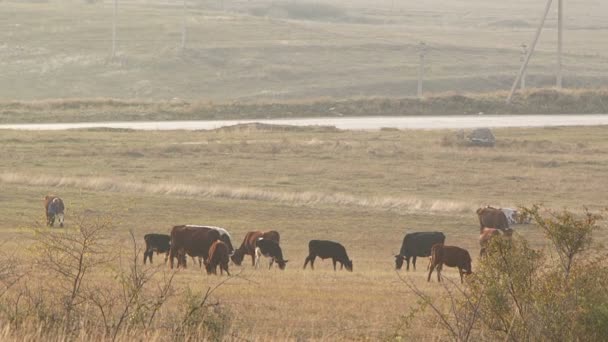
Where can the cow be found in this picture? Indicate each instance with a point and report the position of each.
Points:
(249, 244)
(492, 218)
(451, 256)
(224, 235)
(53, 208)
(417, 245)
(328, 249)
(270, 249)
(159, 243)
(487, 234)
(218, 256)
(193, 241)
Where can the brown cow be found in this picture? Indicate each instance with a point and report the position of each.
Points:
(451, 256)
(492, 218)
(193, 241)
(249, 244)
(487, 234)
(218, 256)
(53, 208)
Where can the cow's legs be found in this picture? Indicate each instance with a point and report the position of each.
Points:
(271, 262)
(431, 272)
(253, 258)
(166, 257)
(311, 259)
(334, 262)
(60, 217)
(407, 261)
(439, 267)
(257, 257)
(414, 262)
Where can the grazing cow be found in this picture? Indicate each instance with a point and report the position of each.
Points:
(249, 244)
(159, 243)
(417, 245)
(487, 234)
(224, 235)
(269, 249)
(450, 256)
(218, 256)
(328, 249)
(53, 208)
(193, 241)
(492, 218)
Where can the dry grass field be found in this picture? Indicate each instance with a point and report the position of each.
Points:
(274, 50)
(364, 189)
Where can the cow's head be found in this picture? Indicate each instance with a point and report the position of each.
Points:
(237, 257)
(226, 239)
(349, 265)
(282, 263)
(398, 261)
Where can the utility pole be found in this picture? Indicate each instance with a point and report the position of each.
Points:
(422, 48)
(522, 58)
(114, 13)
(184, 27)
(560, 25)
(523, 67)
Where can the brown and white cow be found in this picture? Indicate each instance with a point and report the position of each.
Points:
(193, 241)
(450, 256)
(218, 256)
(489, 233)
(492, 218)
(53, 209)
(249, 244)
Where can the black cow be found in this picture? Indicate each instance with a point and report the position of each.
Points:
(159, 243)
(269, 249)
(417, 245)
(328, 249)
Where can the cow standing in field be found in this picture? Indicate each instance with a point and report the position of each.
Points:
(328, 249)
(53, 208)
(249, 244)
(159, 243)
(451, 256)
(271, 250)
(218, 256)
(492, 218)
(193, 241)
(417, 245)
(489, 233)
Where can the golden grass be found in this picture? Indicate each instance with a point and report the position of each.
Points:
(532, 101)
(364, 189)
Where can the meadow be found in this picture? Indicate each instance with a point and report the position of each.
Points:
(244, 51)
(363, 189)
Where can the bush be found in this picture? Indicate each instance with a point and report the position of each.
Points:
(518, 293)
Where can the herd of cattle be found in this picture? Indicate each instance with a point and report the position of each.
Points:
(212, 246)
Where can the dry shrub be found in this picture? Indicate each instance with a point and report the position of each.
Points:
(518, 293)
(81, 287)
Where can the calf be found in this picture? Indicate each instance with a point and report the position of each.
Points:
(218, 256)
(487, 234)
(328, 249)
(269, 249)
(159, 243)
(249, 244)
(417, 245)
(450, 256)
